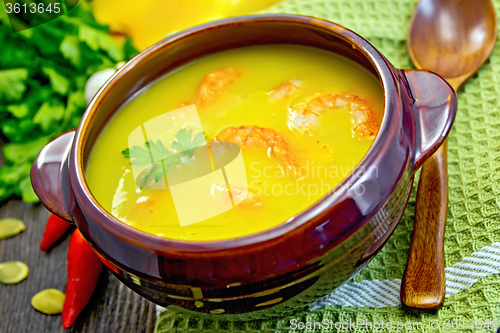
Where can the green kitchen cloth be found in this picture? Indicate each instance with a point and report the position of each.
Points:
(472, 239)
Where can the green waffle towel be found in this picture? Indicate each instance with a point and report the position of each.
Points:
(472, 238)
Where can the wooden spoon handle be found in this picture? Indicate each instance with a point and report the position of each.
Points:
(423, 285)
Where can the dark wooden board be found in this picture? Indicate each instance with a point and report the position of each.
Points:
(113, 307)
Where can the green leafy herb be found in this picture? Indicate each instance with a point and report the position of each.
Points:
(12, 84)
(186, 144)
(152, 152)
(70, 49)
(43, 72)
(18, 111)
(160, 158)
(26, 191)
(97, 40)
(153, 172)
(49, 114)
(59, 83)
(26, 151)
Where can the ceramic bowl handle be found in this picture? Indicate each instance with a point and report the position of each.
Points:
(50, 177)
(435, 106)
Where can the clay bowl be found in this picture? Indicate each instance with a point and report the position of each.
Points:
(285, 268)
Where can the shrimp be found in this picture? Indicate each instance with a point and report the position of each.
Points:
(306, 116)
(240, 195)
(284, 90)
(214, 83)
(184, 104)
(259, 137)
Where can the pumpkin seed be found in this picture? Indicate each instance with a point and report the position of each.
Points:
(48, 301)
(13, 272)
(10, 227)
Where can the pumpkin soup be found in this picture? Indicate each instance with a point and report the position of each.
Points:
(235, 142)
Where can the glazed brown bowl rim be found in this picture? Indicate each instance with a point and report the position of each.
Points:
(153, 242)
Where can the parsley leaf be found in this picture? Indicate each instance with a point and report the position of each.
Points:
(15, 55)
(26, 191)
(12, 175)
(153, 172)
(12, 84)
(70, 49)
(162, 154)
(96, 40)
(26, 151)
(49, 114)
(160, 158)
(18, 111)
(138, 155)
(59, 83)
(152, 152)
(185, 144)
(19, 131)
(156, 155)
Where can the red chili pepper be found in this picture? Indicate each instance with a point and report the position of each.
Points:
(54, 229)
(84, 267)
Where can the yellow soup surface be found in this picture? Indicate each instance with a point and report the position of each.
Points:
(293, 122)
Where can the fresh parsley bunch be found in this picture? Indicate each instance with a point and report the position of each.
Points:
(43, 72)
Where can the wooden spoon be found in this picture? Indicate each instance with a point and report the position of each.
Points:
(452, 38)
